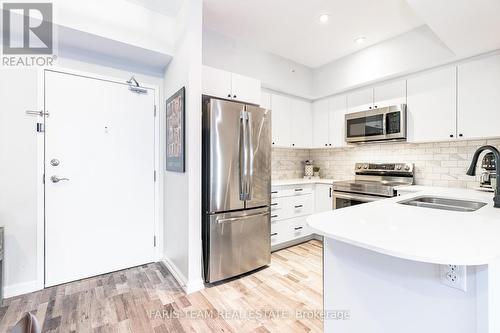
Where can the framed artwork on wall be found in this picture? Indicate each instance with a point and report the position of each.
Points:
(176, 131)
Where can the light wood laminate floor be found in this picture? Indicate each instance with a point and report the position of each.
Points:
(284, 297)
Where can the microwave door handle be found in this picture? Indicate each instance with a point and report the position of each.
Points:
(384, 121)
(250, 155)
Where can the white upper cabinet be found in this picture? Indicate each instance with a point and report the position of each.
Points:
(338, 110)
(223, 84)
(360, 100)
(432, 106)
(392, 93)
(281, 120)
(216, 82)
(388, 94)
(301, 124)
(479, 98)
(321, 123)
(245, 89)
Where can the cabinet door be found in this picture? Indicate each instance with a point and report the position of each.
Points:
(265, 100)
(216, 82)
(360, 100)
(280, 116)
(321, 128)
(301, 124)
(392, 93)
(432, 106)
(338, 109)
(479, 98)
(323, 198)
(245, 89)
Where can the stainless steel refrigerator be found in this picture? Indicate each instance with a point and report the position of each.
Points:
(236, 188)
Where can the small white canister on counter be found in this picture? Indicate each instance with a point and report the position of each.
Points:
(308, 168)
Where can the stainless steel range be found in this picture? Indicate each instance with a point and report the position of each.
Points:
(372, 182)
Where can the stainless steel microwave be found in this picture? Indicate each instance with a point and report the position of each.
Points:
(388, 123)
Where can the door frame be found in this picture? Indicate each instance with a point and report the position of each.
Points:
(158, 148)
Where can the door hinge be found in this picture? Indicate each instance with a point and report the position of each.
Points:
(40, 127)
(154, 176)
(154, 241)
(155, 111)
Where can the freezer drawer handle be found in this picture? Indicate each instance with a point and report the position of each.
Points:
(233, 219)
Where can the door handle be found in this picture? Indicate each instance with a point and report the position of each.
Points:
(233, 219)
(56, 179)
(242, 157)
(250, 152)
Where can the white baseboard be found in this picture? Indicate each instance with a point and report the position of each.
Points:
(21, 288)
(189, 287)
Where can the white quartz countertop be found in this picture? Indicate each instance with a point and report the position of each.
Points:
(417, 233)
(300, 181)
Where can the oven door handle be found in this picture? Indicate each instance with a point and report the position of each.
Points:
(357, 197)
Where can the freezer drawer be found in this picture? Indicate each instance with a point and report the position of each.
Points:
(239, 242)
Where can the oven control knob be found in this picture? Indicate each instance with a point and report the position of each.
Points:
(407, 168)
(359, 166)
(398, 167)
(365, 166)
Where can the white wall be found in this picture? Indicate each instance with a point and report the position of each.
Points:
(409, 52)
(18, 177)
(182, 228)
(18, 167)
(275, 72)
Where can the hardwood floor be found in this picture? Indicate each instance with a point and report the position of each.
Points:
(280, 298)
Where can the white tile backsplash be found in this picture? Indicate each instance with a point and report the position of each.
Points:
(436, 164)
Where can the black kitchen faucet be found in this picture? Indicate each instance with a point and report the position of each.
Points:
(472, 170)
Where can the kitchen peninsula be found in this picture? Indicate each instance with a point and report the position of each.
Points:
(392, 261)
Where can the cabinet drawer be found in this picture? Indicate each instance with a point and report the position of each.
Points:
(287, 191)
(299, 227)
(288, 207)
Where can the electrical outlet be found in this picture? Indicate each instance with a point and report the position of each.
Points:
(454, 276)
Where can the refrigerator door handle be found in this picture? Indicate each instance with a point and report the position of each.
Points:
(250, 156)
(243, 156)
(233, 219)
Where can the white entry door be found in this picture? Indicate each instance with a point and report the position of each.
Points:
(99, 177)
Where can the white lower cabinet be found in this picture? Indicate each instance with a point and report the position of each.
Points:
(323, 198)
(290, 207)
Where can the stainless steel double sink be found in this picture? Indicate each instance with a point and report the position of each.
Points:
(444, 204)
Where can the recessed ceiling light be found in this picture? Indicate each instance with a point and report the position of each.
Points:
(324, 18)
(360, 40)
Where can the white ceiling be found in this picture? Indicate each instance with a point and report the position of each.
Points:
(291, 28)
(165, 7)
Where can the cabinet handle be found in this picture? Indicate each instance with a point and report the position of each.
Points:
(273, 143)
(274, 234)
(330, 194)
(370, 107)
(298, 206)
(376, 106)
(293, 144)
(460, 135)
(274, 192)
(326, 144)
(330, 144)
(298, 189)
(451, 135)
(273, 216)
(298, 228)
(234, 96)
(229, 95)
(274, 204)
